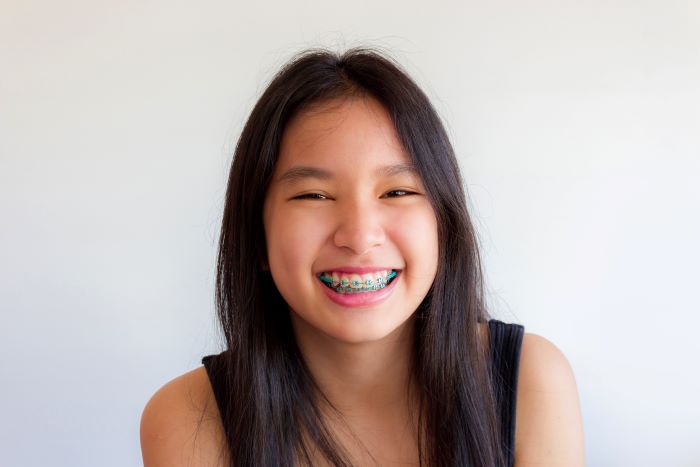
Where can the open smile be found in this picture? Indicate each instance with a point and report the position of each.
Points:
(357, 293)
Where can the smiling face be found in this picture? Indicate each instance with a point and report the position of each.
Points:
(342, 209)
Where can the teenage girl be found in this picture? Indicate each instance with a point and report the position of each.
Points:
(349, 290)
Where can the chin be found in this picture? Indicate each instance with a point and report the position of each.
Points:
(350, 326)
(365, 332)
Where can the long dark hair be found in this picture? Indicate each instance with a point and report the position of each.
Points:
(272, 412)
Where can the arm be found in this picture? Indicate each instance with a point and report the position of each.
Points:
(549, 427)
(181, 426)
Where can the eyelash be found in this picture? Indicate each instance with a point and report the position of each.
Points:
(306, 195)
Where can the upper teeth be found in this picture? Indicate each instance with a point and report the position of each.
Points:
(357, 280)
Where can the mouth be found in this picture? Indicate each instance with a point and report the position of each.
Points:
(342, 283)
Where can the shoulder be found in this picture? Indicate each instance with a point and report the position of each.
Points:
(181, 424)
(549, 427)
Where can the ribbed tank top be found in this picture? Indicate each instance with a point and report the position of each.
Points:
(505, 342)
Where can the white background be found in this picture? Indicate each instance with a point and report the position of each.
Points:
(577, 128)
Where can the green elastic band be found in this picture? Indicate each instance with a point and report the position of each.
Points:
(330, 279)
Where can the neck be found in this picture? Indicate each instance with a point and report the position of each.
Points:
(359, 379)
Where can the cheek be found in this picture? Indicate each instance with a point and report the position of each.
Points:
(292, 242)
(417, 237)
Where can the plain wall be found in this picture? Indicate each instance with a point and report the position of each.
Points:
(577, 128)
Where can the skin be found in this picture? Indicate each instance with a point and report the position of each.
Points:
(181, 425)
(359, 356)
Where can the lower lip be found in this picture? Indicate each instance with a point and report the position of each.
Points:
(355, 300)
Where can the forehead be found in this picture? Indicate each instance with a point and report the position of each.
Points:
(355, 134)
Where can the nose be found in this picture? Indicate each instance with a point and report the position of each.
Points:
(360, 227)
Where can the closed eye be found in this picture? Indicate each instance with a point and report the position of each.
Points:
(318, 196)
(405, 193)
(309, 195)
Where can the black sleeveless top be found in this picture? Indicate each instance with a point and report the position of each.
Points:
(504, 350)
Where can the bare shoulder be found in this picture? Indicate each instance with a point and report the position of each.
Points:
(549, 427)
(181, 425)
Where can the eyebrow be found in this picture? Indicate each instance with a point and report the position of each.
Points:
(302, 172)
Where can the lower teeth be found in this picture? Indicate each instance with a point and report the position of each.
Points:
(350, 290)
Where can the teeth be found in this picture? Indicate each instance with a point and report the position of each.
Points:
(357, 282)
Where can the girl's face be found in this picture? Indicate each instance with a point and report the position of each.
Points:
(335, 203)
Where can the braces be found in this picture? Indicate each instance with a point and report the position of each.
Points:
(369, 284)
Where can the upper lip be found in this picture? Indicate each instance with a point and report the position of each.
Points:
(360, 269)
